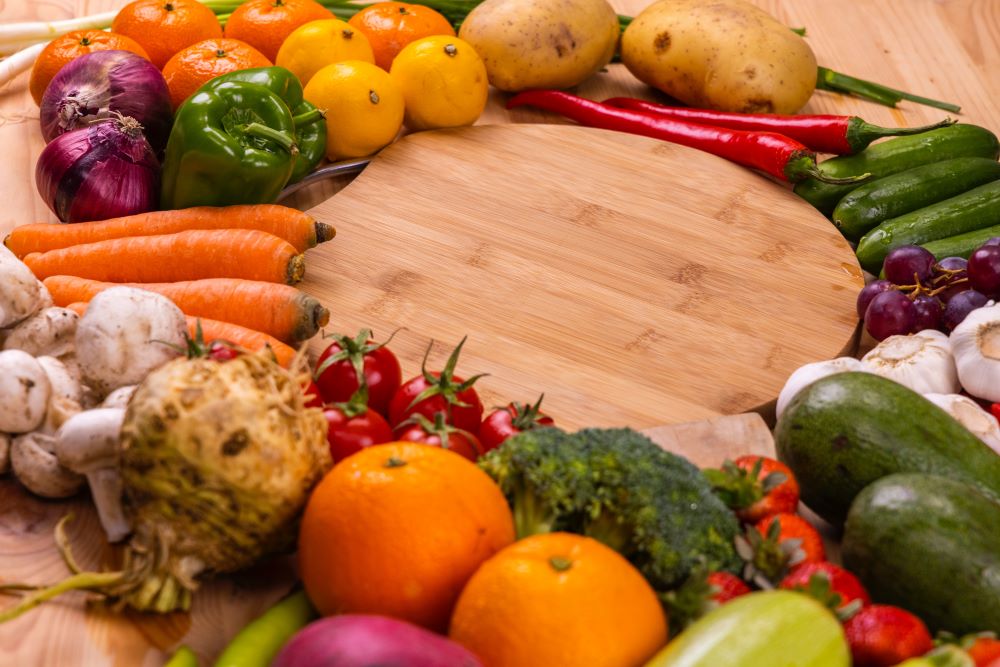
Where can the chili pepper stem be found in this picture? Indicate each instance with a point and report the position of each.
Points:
(307, 117)
(265, 132)
(804, 166)
(860, 133)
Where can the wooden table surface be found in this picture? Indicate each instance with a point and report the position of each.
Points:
(948, 49)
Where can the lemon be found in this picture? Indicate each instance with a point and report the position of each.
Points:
(316, 44)
(443, 80)
(363, 107)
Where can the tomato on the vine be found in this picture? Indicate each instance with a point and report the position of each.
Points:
(338, 366)
(511, 420)
(352, 426)
(312, 395)
(439, 434)
(431, 393)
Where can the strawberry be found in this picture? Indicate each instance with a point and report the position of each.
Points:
(984, 650)
(882, 636)
(831, 584)
(755, 487)
(726, 586)
(700, 593)
(776, 545)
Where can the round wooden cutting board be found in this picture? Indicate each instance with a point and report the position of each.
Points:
(635, 282)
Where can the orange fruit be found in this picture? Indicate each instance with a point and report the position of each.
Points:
(164, 27)
(264, 24)
(314, 45)
(63, 49)
(559, 599)
(194, 65)
(390, 26)
(397, 529)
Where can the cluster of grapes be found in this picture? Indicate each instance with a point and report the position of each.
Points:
(920, 293)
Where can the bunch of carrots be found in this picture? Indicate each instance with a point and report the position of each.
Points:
(231, 268)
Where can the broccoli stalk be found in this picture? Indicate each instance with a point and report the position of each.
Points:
(532, 515)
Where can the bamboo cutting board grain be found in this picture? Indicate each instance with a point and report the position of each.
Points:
(635, 282)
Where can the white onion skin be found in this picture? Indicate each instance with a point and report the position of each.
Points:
(102, 83)
(98, 172)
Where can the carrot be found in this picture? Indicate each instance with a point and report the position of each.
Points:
(284, 312)
(296, 227)
(190, 255)
(212, 330)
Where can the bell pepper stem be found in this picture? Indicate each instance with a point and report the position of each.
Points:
(283, 139)
(307, 117)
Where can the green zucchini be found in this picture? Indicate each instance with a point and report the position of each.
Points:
(897, 155)
(961, 245)
(760, 629)
(862, 209)
(931, 545)
(844, 431)
(970, 211)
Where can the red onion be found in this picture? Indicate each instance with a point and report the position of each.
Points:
(101, 83)
(101, 171)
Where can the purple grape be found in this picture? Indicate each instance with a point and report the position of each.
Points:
(929, 312)
(961, 305)
(955, 282)
(889, 314)
(869, 292)
(902, 263)
(954, 264)
(984, 269)
(992, 241)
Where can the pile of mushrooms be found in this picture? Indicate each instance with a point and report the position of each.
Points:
(65, 382)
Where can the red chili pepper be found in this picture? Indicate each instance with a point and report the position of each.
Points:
(773, 153)
(842, 135)
(995, 410)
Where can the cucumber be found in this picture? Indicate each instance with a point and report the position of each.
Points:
(930, 545)
(865, 207)
(760, 629)
(897, 155)
(844, 431)
(970, 211)
(961, 245)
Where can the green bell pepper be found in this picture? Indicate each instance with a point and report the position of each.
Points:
(231, 144)
(310, 128)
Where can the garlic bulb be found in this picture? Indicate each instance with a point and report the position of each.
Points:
(976, 346)
(968, 413)
(922, 361)
(809, 373)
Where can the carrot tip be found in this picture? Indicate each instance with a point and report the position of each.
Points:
(296, 269)
(321, 317)
(324, 232)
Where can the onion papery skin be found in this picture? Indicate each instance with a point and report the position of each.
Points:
(102, 171)
(100, 84)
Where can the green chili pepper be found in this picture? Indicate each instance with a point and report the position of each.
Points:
(310, 126)
(184, 657)
(258, 643)
(231, 144)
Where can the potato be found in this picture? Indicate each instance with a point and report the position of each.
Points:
(724, 54)
(547, 44)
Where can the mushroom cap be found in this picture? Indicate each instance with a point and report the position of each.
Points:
(37, 468)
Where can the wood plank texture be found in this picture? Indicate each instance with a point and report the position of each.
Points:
(949, 49)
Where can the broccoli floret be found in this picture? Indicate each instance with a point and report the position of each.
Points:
(617, 486)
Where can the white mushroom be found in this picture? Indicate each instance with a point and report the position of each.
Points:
(4, 453)
(37, 468)
(21, 294)
(126, 333)
(25, 392)
(120, 397)
(89, 444)
(66, 395)
(47, 332)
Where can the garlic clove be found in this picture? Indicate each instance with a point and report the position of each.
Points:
(806, 375)
(968, 413)
(922, 361)
(976, 346)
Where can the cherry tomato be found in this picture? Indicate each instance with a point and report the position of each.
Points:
(422, 431)
(431, 393)
(221, 351)
(313, 399)
(511, 420)
(349, 432)
(338, 380)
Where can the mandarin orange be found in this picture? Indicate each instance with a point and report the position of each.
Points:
(63, 49)
(195, 65)
(264, 24)
(390, 26)
(559, 599)
(397, 529)
(164, 27)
